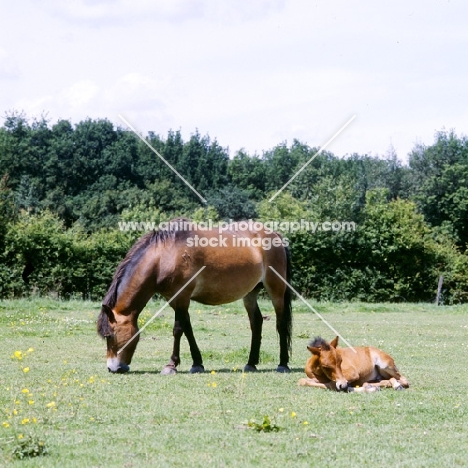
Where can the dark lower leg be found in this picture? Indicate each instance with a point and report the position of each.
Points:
(194, 350)
(284, 346)
(256, 324)
(177, 333)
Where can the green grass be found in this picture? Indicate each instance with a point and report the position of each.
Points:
(83, 416)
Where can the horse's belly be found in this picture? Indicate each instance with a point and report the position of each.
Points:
(218, 285)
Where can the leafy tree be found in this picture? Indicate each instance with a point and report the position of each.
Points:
(280, 163)
(440, 175)
(8, 208)
(232, 203)
(248, 173)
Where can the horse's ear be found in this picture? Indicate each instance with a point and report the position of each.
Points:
(314, 350)
(106, 317)
(334, 343)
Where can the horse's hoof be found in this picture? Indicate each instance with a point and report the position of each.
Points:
(197, 370)
(169, 370)
(399, 388)
(350, 389)
(249, 368)
(283, 369)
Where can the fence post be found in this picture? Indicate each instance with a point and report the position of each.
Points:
(439, 289)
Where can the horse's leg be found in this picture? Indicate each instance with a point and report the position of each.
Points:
(281, 299)
(284, 334)
(177, 332)
(197, 361)
(182, 325)
(256, 322)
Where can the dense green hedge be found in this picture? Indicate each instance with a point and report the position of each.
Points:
(65, 187)
(42, 257)
(393, 255)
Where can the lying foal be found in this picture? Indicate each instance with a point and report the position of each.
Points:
(365, 370)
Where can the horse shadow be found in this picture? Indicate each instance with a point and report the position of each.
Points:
(218, 371)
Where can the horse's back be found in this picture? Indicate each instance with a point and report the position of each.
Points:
(235, 262)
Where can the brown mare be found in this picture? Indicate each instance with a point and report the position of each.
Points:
(365, 370)
(237, 263)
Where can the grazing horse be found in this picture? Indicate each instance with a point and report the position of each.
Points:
(365, 369)
(236, 260)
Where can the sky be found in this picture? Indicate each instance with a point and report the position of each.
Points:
(249, 73)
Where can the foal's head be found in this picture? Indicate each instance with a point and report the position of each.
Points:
(328, 361)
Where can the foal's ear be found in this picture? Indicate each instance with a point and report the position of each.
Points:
(334, 343)
(314, 350)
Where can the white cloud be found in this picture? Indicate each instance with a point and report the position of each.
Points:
(79, 95)
(136, 91)
(9, 69)
(251, 73)
(123, 11)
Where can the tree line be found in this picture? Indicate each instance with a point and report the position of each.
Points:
(64, 188)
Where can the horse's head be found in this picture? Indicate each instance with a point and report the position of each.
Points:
(120, 337)
(328, 361)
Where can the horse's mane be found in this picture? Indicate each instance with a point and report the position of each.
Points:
(151, 238)
(319, 342)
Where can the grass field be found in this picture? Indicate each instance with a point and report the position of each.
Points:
(57, 396)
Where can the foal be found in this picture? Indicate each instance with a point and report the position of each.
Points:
(342, 369)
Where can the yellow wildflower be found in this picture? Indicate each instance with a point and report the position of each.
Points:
(51, 404)
(25, 390)
(25, 369)
(5, 424)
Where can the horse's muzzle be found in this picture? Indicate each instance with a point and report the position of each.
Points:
(120, 370)
(116, 367)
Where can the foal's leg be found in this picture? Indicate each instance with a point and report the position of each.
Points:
(256, 323)
(308, 382)
(393, 377)
(390, 383)
(182, 325)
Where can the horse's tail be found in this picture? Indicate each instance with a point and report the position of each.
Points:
(287, 309)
